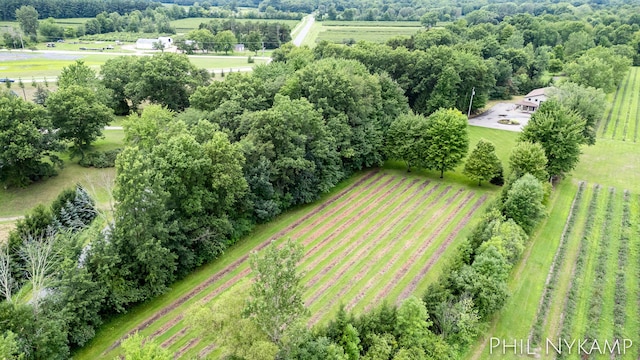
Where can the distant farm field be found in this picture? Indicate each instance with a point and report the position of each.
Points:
(28, 65)
(383, 235)
(186, 25)
(621, 120)
(374, 31)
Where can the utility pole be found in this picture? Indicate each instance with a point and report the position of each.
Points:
(473, 92)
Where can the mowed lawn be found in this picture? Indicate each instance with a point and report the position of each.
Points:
(18, 201)
(381, 235)
(621, 120)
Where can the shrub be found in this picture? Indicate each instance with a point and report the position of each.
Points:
(100, 159)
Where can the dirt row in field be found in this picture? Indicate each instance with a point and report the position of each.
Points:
(366, 268)
(348, 252)
(349, 236)
(407, 246)
(443, 247)
(191, 344)
(159, 314)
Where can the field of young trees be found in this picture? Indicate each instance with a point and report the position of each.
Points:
(622, 117)
(381, 238)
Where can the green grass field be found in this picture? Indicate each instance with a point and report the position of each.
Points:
(384, 235)
(42, 65)
(621, 120)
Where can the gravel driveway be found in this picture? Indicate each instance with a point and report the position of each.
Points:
(501, 111)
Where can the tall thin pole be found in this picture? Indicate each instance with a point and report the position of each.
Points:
(473, 92)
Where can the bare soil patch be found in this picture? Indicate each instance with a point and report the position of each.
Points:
(192, 343)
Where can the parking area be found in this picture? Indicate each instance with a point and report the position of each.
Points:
(504, 112)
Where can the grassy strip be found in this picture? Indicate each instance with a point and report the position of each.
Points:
(612, 108)
(629, 106)
(600, 280)
(619, 309)
(572, 299)
(552, 279)
(635, 130)
(621, 105)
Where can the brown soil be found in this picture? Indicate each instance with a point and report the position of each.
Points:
(226, 285)
(380, 254)
(347, 215)
(206, 351)
(337, 209)
(170, 341)
(164, 328)
(192, 343)
(217, 276)
(436, 256)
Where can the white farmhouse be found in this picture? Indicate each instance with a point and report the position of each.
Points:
(533, 99)
(147, 44)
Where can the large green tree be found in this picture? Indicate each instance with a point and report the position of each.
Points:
(27, 16)
(225, 41)
(29, 142)
(276, 295)
(483, 163)
(78, 115)
(448, 140)
(144, 264)
(299, 148)
(588, 102)
(560, 132)
(167, 79)
(529, 158)
(407, 140)
(524, 202)
(116, 74)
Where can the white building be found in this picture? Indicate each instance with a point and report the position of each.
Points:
(147, 44)
(533, 99)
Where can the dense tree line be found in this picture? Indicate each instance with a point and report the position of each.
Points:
(61, 9)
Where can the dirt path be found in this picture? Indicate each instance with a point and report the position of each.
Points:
(191, 344)
(220, 274)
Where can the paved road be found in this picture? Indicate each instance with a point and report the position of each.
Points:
(305, 30)
(501, 111)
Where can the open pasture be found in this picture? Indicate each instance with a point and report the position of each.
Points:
(621, 120)
(384, 235)
(375, 31)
